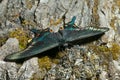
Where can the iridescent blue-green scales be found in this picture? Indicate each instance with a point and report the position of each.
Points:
(47, 40)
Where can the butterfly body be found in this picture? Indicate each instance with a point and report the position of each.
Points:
(47, 40)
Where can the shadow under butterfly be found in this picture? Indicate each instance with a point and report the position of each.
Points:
(47, 40)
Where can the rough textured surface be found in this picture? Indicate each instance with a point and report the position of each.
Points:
(13, 71)
(11, 45)
(83, 64)
(99, 60)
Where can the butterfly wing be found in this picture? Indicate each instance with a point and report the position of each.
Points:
(71, 33)
(39, 45)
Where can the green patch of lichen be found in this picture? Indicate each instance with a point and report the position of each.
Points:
(2, 40)
(113, 22)
(105, 54)
(45, 62)
(117, 2)
(28, 22)
(22, 37)
(29, 3)
(113, 51)
(95, 16)
(36, 77)
(114, 17)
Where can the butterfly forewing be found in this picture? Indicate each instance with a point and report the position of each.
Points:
(45, 43)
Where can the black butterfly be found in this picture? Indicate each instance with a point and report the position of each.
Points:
(47, 40)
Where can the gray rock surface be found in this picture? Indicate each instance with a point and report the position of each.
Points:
(81, 64)
(41, 14)
(13, 71)
(11, 45)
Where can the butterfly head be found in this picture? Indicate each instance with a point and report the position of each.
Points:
(54, 29)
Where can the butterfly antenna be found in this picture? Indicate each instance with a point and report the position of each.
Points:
(64, 17)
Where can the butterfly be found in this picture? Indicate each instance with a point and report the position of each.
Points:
(47, 40)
